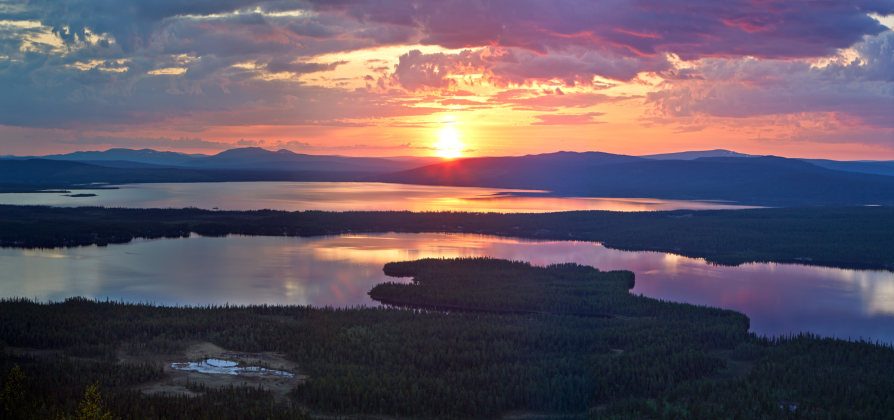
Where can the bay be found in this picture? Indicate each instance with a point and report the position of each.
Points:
(345, 196)
(340, 270)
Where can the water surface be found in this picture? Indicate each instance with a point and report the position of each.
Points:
(343, 196)
(226, 367)
(340, 270)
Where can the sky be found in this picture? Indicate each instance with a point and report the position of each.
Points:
(807, 78)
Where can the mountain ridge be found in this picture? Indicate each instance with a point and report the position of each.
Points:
(695, 154)
(761, 180)
(765, 180)
(246, 158)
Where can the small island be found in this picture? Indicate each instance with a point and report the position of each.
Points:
(79, 195)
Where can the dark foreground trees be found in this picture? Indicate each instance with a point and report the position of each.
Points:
(657, 360)
(836, 236)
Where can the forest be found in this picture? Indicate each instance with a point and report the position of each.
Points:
(654, 359)
(857, 237)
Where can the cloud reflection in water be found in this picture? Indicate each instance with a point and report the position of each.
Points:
(339, 271)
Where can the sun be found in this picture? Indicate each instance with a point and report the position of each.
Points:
(449, 145)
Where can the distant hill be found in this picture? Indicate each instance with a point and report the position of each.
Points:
(247, 158)
(60, 173)
(765, 180)
(696, 154)
(547, 171)
(56, 172)
(149, 156)
(124, 164)
(261, 159)
(866, 167)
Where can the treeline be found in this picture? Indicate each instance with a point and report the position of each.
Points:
(510, 286)
(835, 236)
(667, 360)
(495, 284)
(54, 389)
(402, 362)
(794, 377)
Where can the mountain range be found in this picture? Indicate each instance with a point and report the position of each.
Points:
(247, 158)
(696, 154)
(765, 180)
(701, 175)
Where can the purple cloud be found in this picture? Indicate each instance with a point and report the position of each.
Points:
(746, 58)
(521, 100)
(860, 88)
(690, 29)
(278, 65)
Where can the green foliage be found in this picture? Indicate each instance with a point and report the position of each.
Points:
(12, 393)
(92, 408)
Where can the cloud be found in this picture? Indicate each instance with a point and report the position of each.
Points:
(860, 88)
(416, 70)
(573, 69)
(568, 119)
(690, 29)
(82, 65)
(506, 67)
(281, 66)
(212, 95)
(148, 142)
(526, 100)
(690, 129)
(461, 102)
(299, 145)
(250, 143)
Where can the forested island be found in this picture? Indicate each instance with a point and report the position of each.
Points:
(833, 236)
(656, 359)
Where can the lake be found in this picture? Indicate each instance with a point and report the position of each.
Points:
(340, 270)
(343, 196)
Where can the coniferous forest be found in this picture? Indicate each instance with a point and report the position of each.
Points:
(741, 154)
(467, 338)
(831, 236)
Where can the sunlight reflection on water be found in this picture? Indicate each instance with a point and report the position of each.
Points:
(344, 196)
(340, 270)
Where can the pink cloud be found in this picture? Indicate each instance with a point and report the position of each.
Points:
(522, 100)
(747, 59)
(568, 119)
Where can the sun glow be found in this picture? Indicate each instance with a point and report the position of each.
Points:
(449, 145)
